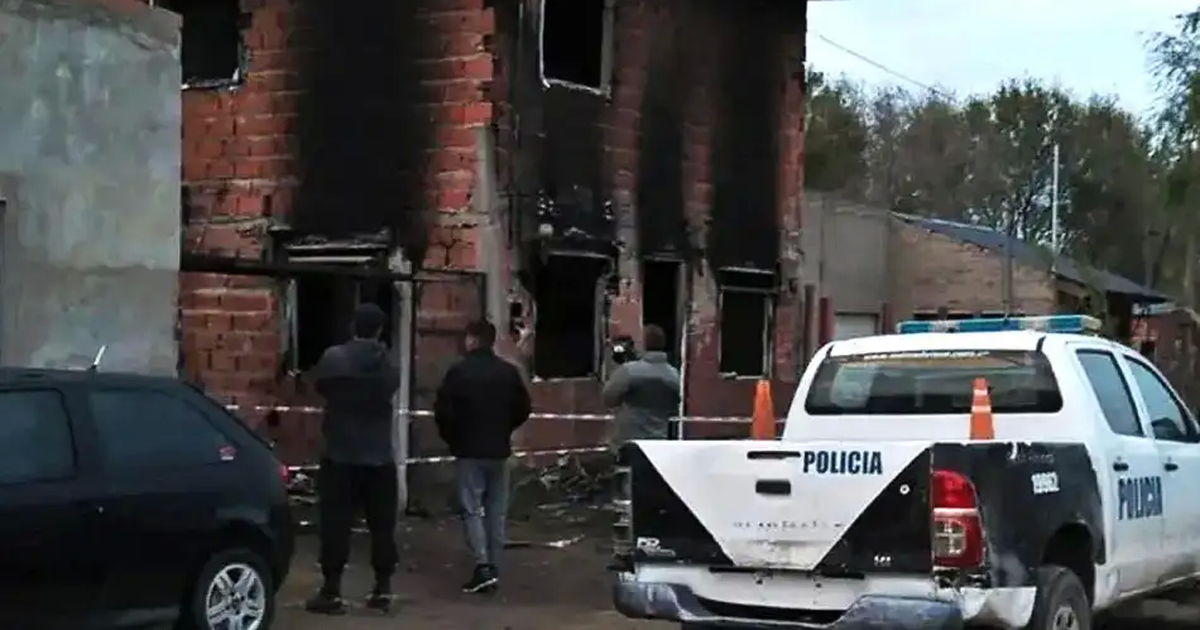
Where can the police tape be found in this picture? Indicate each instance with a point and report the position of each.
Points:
(425, 413)
(440, 459)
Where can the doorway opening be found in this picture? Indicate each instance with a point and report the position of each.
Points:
(661, 301)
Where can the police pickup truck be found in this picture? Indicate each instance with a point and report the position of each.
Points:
(878, 508)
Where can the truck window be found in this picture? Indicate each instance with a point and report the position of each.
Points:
(35, 437)
(927, 383)
(1111, 391)
(1167, 418)
(149, 430)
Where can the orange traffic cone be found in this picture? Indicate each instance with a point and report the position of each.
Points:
(762, 423)
(982, 427)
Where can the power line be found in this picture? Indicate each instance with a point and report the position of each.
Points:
(880, 66)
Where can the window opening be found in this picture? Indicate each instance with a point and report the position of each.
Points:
(567, 325)
(211, 47)
(745, 322)
(576, 37)
(661, 301)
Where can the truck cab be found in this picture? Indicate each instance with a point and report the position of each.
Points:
(884, 506)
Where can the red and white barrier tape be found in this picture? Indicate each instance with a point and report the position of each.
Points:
(447, 458)
(424, 413)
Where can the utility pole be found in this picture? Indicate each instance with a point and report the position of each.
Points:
(1054, 212)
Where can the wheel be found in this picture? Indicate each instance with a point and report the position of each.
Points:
(232, 591)
(1061, 602)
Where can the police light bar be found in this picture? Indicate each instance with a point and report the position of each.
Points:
(1073, 324)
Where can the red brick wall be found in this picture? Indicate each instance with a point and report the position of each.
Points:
(241, 170)
(704, 26)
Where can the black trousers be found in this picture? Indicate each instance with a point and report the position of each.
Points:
(343, 490)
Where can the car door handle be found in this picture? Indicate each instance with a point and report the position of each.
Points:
(1171, 466)
(1120, 466)
(778, 487)
(773, 455)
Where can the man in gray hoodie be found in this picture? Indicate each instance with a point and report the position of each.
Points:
(358, 467)
(644, 392)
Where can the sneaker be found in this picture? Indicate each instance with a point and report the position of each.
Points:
(482, 580)
(380, 600)
(326, 603)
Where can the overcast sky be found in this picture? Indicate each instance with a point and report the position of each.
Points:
(970, 46)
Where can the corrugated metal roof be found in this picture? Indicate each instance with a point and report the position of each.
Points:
(1027, 254)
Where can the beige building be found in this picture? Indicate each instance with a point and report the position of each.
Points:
(869, 267)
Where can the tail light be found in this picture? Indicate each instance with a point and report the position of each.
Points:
(622, 506)
(957, 529)
(285, 474)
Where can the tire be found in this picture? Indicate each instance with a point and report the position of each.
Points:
(1060, 598)
(232, 564)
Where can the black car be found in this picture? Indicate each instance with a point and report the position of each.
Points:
(134, 500)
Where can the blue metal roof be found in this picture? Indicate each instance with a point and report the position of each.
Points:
(1026, 254)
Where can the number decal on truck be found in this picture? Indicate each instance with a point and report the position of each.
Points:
(1044, 482)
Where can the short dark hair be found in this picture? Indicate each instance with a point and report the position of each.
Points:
(654, 339)
(369, 320)
(483, 332)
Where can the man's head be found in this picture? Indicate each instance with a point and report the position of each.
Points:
(369, 320)
(480, 334)
(654, 339)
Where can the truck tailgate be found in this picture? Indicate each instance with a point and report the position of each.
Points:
(835, 508)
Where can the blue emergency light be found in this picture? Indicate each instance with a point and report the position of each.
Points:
(1071, 324)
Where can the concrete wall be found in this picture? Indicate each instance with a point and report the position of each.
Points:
(89, 164)
(847, 253)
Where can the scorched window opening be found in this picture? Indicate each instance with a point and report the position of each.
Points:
(568, 299)
(211, 50)
(576, 43)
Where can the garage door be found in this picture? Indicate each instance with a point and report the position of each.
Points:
(851, 326)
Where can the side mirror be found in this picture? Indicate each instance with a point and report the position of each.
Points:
(1166, 429)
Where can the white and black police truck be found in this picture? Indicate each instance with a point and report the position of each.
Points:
(877, 508)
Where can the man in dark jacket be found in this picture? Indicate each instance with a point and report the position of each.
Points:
(644, 392)
(481, 401)
(358, 467)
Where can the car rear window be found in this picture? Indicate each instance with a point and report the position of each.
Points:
(927, 383)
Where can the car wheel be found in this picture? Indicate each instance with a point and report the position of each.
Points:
(1061, 602)
(233, 591)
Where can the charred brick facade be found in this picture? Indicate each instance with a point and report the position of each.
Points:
(429, 125)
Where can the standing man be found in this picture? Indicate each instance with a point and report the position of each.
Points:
(358, 471)
(644, 392)
(481, 401)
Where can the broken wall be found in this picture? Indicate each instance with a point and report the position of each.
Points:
(89, 172)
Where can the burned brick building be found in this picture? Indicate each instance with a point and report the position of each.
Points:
(569, 169)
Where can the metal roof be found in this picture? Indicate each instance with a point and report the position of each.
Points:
(1026, 254)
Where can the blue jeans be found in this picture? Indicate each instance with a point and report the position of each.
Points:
(483, 492)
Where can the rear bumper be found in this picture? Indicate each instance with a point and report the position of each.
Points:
(676, 602)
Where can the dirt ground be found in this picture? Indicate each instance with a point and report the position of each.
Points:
(542, 589)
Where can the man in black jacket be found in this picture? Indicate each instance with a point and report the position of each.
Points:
(358, 467)
(481, 401)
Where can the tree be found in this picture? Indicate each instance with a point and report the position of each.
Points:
(1175, 59)
(835, 138)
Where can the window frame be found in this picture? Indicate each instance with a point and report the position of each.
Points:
(79, 465)
(1192, 430)
(768, 298)
(607, 53)
(106, 461)
(1133, 404)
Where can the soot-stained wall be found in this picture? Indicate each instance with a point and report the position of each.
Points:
(700, 155)
(348, 119)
